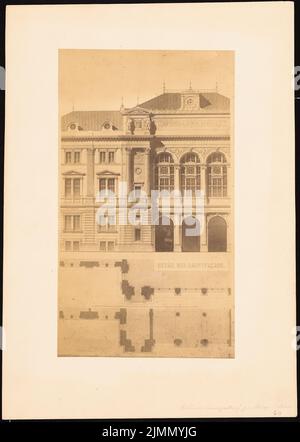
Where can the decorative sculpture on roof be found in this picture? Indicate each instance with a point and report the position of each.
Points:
(152, 125)
(132, 127)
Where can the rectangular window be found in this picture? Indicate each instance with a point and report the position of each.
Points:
(76, 187)
(102, 157)
(102, 246)
(68, 187)
(107, 184)
(110, 246)
(137, 234)
(111, 157)
(68, 246)
(75, 246)
(68, 157)
(111, 184)
(102, 184)
(68, 223)
(76, 157)
(76, 222)
(138, 124)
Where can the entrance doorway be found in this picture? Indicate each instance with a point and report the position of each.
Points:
(164, 235)
(217, 234)
(190, 238)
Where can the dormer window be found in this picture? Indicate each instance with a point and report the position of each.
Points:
(108, 126)
(190, 102)
(74, 126)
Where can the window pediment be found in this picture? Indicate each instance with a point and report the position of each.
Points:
(107, 173)
(73, 173)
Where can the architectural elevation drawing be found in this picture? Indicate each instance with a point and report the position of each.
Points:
(146, 234)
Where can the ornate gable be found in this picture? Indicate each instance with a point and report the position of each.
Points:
(137, 111)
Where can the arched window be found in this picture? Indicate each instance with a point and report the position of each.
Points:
(217, 175)
(164, 172)
(190, 172)
(217, 234)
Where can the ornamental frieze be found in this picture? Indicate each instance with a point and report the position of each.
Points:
(190, 123)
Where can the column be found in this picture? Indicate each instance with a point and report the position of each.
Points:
(148, 183)
(228, 220)
(203, 235)
(177, 176)
(203, 181)
(128, 177)
(125, 230)
(177, 239)
(204, 188)
(89, 212)
(90, 172)
(147, 229)
(177, 227)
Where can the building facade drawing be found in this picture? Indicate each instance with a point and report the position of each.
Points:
(146, 206)
(178, 140)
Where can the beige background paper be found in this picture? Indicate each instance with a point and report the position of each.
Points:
(261, 380)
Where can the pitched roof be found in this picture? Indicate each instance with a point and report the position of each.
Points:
(92, 120)
(168, 100)
(209, 102)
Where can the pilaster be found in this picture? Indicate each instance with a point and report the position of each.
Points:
(203, 235)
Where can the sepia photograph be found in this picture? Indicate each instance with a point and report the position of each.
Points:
(149, 269)
(146, 203)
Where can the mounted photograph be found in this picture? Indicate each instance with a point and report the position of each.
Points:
(146, 232)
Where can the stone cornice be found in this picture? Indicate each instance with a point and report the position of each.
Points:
(138, 138)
